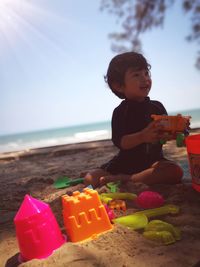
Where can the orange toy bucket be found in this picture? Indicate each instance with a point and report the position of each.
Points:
(193, 149)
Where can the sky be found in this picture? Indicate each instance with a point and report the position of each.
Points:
(54, 55)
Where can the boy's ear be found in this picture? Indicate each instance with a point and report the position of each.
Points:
(118, 87)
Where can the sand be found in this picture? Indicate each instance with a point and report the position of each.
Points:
(34, 171)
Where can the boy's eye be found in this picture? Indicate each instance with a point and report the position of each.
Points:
(136, 74)
(144, 73)
(147, 73)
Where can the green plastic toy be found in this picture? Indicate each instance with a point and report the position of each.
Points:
(167, 209)
(180, 138)
(164, 237)
(134, 221)
(162, 232)
(113, 186)
(106, 197)
(63, 182)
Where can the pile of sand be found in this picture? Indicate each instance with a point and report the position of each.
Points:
(33, 172)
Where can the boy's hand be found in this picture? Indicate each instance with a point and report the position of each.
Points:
(152, 133)
(114, 178)
(167, 136)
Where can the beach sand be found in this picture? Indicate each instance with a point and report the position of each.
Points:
(33, 172)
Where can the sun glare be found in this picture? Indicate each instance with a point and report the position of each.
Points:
(22, 21)
(17, 18)
(7, 11)
(12, 13)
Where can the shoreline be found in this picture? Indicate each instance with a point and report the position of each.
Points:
(70, 146)
(56, 148)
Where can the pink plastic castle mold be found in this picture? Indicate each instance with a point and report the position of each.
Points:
(37, 230)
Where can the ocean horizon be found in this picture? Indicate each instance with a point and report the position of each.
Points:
(71, 134)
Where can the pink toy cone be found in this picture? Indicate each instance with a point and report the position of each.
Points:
(37, 230)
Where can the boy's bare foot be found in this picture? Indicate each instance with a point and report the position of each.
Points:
(83, 173)
(89, 180)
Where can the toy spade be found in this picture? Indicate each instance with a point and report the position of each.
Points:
(64, 181)
(133, 221)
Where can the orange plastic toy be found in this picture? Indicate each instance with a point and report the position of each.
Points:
(117, 204)
(84, 215)
(175, 125)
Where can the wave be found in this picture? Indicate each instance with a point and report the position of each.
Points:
(195, 124)
(92, 134)
(20, 144)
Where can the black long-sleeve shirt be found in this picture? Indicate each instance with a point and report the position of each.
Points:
(131, 117)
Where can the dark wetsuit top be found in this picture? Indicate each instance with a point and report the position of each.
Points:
(131, 117)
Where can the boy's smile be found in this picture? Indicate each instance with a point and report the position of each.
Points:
(145, 88)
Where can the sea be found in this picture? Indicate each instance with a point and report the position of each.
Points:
(71, 134)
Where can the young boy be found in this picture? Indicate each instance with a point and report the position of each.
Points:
(140, 157)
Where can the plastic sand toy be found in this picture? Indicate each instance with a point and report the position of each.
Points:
(149, 199)
(117, 204)
(162, 232)
(63, 182)
(113, 186)
(106, 197)
(164, 237)
(134, 221)
(37, 230)
(167, 209)
(84, 215)
(193, 151)
(119, 195)
(175, 125)
(110, 212)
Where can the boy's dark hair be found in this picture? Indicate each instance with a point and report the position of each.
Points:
(120, 64)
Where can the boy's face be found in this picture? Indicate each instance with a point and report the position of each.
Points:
(137, 84)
